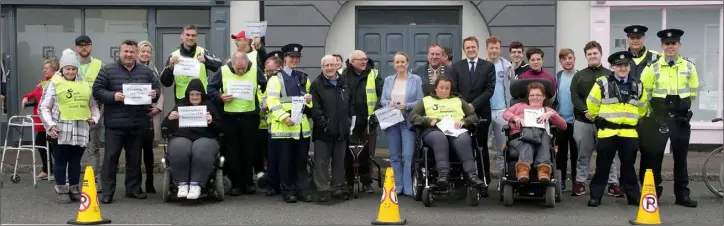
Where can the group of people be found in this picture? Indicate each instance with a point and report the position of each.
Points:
(262, 114)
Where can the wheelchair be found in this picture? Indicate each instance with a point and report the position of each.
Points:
(511, 189)
(424, 172)
(215, 187)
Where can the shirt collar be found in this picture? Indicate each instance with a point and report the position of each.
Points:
(619, 79)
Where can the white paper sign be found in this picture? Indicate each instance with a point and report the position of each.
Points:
(137, 93)
(255, 29)
(192, 116)
(709, 100)
(447, 126)
(187, 67)
(530, 118)
(297, 108)
(388, 116)
(241, 90)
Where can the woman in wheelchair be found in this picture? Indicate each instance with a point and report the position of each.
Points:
(192, 151)
(428, 112)
(533, 147)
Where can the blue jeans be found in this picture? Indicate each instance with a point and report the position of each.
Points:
(401, 142)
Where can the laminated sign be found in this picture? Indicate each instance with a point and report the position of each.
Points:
(192, 116)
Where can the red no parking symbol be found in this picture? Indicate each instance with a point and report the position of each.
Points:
(84, 202)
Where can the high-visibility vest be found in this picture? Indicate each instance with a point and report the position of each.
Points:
(90, 73)
(182, 81)
(605, 101)
(439, 108)
(661, 80)
(249, 78)
(646, 58)
(371, 91)
(263, 123)
(73, 99)
(280, 105)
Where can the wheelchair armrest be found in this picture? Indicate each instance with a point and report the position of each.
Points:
(165, 133)
(506, 130)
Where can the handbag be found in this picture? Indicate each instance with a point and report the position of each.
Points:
(531, 135)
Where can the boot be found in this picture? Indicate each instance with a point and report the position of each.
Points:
(62, 196)
(149, 185)
(442, 178)
(522, 171)
(475, 181)
(75, 193)
(544, 172)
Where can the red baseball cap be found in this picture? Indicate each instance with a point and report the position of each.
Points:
(241, 34)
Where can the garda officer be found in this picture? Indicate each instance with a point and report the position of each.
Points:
(673, 84)
(88, 70)
(616, 102)
(188, 49)
(291, 139)
(272, 66)
(642, 56)
(235, 86)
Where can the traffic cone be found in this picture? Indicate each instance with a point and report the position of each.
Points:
(648, 211)
(389, 212)
(89, 211)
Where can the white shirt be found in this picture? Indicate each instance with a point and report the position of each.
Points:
(471, 63)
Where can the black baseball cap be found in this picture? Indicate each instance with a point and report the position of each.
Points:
(82, 39)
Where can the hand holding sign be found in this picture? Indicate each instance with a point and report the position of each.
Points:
(137, 94)
(255, 28)
(187, 67)
(193, 116)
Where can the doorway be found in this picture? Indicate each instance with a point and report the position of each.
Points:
(8, 107)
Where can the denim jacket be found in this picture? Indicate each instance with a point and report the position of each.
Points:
(413, 91)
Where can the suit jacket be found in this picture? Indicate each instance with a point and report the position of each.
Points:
(476, 87)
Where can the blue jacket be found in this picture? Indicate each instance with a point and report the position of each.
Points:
(413, 91)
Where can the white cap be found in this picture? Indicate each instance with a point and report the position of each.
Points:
(69, 58)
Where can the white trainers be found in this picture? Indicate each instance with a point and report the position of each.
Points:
(183, 191)
(194, 192)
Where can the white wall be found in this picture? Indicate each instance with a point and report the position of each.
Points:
(341, 37)
(572, 29)
(240, 12)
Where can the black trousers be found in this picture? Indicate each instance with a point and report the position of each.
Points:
(147, 153)
(117, 140)
(482, 136)
(606, 149)
(67, 156)
(293, 174)
(260, 152)
(652, 153)
(365, 157)
(41, 141)
(240, 137)
(564, 140)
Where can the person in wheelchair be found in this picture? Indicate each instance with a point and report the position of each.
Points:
(534, 147)
(192, 151)
(428, 112)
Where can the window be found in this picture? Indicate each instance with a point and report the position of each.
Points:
(109, 27)
(621, 18)
(42, 33)
(399, 16)
(183, 17)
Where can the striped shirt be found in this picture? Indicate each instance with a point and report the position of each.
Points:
(76, 133)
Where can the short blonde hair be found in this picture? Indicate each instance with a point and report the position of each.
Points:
(145, 43)
(53, 61)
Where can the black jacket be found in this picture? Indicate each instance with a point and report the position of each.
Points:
(170, 127)
(212, 63)
(581, 86)
(110, 80)
(477, 88)
(357, 83)
(333, 108)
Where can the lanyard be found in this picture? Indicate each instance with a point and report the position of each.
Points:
(85, 70)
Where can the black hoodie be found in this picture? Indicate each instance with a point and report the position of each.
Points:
(193, 133)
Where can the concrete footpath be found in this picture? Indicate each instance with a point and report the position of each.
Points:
(695, 162)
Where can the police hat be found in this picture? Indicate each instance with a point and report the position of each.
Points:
(620, 57)
(636, 31)
(292, 49)
(275, 53)
(670, 35)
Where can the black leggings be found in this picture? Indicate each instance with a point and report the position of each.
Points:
(40, 141)
(147, 155)
(564, 139)
(440, 145)
(67, 156)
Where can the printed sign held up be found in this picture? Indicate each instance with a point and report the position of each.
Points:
(137, 93)
(254, 28)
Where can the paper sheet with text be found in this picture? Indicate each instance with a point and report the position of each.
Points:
(187, 66)
(192, 116)
(137, 93)
(447, 126)
(388, 116)
(241, 90)
(297, 108)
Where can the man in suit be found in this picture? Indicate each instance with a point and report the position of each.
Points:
(474, 80)
(433, 69)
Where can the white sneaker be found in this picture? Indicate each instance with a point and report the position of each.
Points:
(194, 192)
(183, 191)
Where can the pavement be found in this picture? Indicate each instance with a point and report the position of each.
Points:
(695, 163)
(21, 204)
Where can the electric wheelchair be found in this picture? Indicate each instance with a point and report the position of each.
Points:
(424, 172)
(215, 187)
(511, 189)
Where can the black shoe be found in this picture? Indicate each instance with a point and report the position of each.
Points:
(594, 203)
(484, 192)
(150, 189)
(633, 202)
(367, 188)
(687, 202)
(442, 182)
(271, 192)
(475, 181)
(136, 195)
(307, 198)
(323, 196)
(250, 190)
(107, 200)
(235, 192)
(341, 194)
(290, 199)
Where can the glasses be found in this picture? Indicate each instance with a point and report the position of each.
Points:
(536, 95)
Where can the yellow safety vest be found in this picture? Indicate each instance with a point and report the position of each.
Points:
(439, 108)
(249, 77)
(263, 114)
(73, 99)
(661, 80)
(654, 56)
(181, 81)
(371, 91)
(280, 105)
(252, 56)
(604, 102)
(90, 73)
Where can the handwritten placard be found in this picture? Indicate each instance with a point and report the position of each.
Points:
(192, 116)
(137, 93)
(187, 67)
(255, 28)
(388, 116)
(241, 90)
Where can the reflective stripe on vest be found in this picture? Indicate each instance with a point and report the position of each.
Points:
(439, 108)
(662, 92)
(91, 72)
(182, 81)
(280, 129)
(612, 108)
(371, 91)
(236, 105)
(73, 99)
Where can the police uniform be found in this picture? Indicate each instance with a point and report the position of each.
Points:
(673, 84)
(291, 142)
(616, 104)
(275, 53)
(643, 57)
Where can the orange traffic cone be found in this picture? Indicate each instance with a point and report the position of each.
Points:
(389, 212)
(89, 211)
(648, 211)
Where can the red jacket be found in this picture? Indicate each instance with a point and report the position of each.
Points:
(36, 94)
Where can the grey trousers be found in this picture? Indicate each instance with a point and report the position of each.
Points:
(585, 136)
(93, 150)
(440, 145)
(533, 154)
(324, 151)
(192, 162)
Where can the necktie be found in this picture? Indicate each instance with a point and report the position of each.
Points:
(472, 66)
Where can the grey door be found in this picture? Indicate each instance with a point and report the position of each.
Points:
(7, 107)
(167, 41)
(382, 42)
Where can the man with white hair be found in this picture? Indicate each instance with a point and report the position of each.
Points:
(235, 86)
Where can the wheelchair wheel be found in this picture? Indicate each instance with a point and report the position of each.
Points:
(507, 194)
(227, 185)
(426, 197)
(550, 196)
(355, 189)
(166, 189)
(15, 178)
(416, 185)
(559, 185)
(219, 185)
(473, 197)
